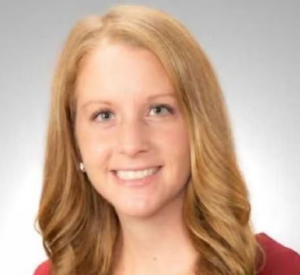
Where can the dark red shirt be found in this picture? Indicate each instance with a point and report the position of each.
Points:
(280, 260)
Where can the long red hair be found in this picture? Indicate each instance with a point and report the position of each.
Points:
(79, 228)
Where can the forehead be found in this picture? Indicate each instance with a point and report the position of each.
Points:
(115, 69)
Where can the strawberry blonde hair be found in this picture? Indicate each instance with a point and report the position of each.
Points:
(80, 228)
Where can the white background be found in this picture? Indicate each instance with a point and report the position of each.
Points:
(255, 49)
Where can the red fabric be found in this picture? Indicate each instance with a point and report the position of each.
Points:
(280, 260)
(43, 269)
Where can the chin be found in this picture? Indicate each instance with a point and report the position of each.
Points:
(137, 210)
(145, 209)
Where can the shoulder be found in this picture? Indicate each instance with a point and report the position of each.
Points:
(279, 259)
(43, 269)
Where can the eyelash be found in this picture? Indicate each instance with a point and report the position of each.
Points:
(103, 111)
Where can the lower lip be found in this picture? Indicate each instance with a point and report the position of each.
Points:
(137, 182)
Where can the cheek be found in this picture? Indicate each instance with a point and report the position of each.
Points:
(95, 148)
(174, 141)
(175, 149)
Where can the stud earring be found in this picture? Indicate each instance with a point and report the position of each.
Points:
(81, 167)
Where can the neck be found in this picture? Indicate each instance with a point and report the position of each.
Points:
(156, 245)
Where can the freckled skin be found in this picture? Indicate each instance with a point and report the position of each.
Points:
(131, 133)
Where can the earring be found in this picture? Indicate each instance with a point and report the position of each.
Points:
(81, 167)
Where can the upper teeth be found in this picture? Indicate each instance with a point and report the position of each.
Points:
(130, 175)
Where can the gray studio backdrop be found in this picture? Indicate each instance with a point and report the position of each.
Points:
(254, 47)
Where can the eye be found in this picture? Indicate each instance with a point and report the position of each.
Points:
(162, 109)
(102, 115)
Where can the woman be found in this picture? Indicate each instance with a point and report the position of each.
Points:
(141, 175)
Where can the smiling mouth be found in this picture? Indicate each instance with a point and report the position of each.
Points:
(136, 174)
(137, 179)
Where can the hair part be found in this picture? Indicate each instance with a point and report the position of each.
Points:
(79, 227)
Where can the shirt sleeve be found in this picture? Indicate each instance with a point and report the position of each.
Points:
(279, 259)
(43, 269)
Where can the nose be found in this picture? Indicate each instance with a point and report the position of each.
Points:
(133, 138)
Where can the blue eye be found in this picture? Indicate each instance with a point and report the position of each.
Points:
(161, 109)
(102, 115)
(106, 115)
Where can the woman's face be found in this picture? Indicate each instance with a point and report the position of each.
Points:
(132, 137)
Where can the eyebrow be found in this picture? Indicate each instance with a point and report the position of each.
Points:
(151, 97)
